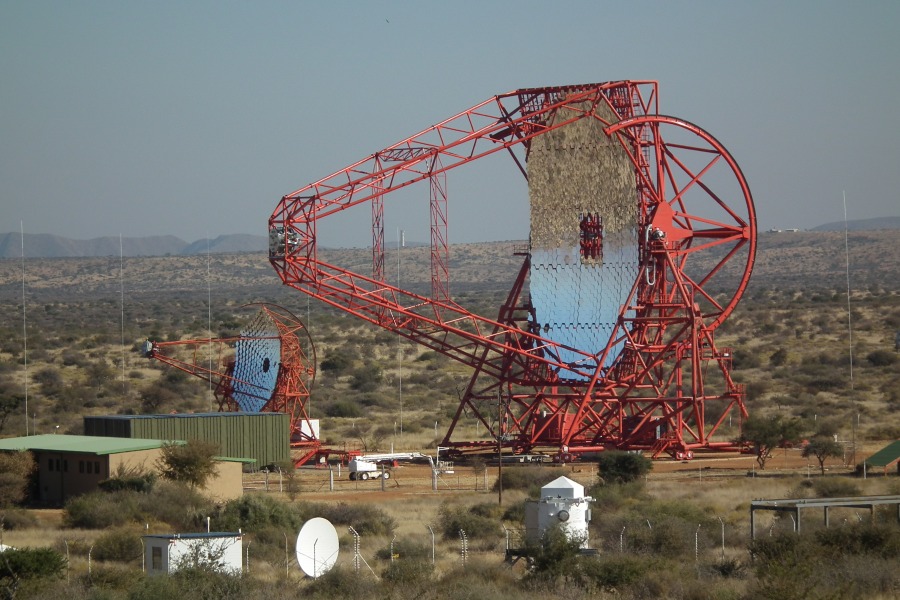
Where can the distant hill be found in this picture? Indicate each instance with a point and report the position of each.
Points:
(42, 245)
(861, 225)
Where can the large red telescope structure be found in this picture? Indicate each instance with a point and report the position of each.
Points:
(642, 241)
(269, 367)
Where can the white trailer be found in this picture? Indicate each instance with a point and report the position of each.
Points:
(370, 466)
(168, 553)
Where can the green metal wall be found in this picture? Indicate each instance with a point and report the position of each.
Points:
(264, 437)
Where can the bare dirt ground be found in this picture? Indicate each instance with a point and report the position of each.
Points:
(414, 481)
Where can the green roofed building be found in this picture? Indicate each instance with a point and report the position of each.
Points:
(263, 437)
(887, 456)
(71, 465)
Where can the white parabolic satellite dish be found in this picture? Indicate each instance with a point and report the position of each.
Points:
(317, 547)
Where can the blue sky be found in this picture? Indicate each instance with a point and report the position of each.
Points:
(194, 118)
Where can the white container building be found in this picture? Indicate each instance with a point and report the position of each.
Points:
(218, 551)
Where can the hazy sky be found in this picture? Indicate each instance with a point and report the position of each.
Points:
(194, 118)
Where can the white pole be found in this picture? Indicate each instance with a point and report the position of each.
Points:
(722, 521)
(432, 543)
(24, 325)
(122, 298)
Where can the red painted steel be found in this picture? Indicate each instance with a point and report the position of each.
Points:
(292, 387)
(652, 393)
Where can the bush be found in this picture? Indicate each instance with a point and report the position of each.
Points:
(881, 358)
(176, 504)
(408, 572)
(31, 563)
(623, 467)
(865, 538)
(834, 487)
(129, 480)
(17, 518)
(405, 550)
(254, 512)
(192, 463)
(555, 555)
(16, 469)
(121, 544)
(452, 519)
(365, 519)
(169, 502)
(612, 571)
(526, 477)
(100, 510)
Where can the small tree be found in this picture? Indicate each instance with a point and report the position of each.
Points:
(192, 463)
(617, 466)
(822, 447)
(765, 434)
(9, 405)
(28, 563)
(15, 477)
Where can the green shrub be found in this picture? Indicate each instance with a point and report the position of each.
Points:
(112, 577)
(623, 467)
(341, 582)
(169, 502)
(834, 487)
(405, 549)
(195, 584)
(137, 482)
(176, 504)
(881, 358)
(365, 519)
(864, 538)
(452, 519)
(408, 572)
(612, 571)
(31, 563)
(192, 463)
(100, 510)
(253, 512)
(120, 544)
(555, 555)
(526, 477)
(17, 518)
(16, 469)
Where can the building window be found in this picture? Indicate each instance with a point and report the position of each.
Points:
(49, 464)
(65, 465)
(97, 467)
(156, 558)
(81, 466)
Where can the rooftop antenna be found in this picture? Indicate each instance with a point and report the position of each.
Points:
(317, 547)
(24, 324)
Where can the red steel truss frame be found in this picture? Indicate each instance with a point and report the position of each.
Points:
(652, 393)
(292, 388)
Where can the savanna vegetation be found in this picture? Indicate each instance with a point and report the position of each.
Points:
(658, 537)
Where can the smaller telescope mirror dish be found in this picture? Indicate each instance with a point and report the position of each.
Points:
(317, 547)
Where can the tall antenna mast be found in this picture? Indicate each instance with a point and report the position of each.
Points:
(122, 294)
(400, 243)
(24, 324)
(209, 320)
(853, 427)
(849, 321)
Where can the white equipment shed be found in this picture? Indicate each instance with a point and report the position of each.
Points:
(218, 551)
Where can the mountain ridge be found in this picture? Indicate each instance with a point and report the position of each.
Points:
(45, 245)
